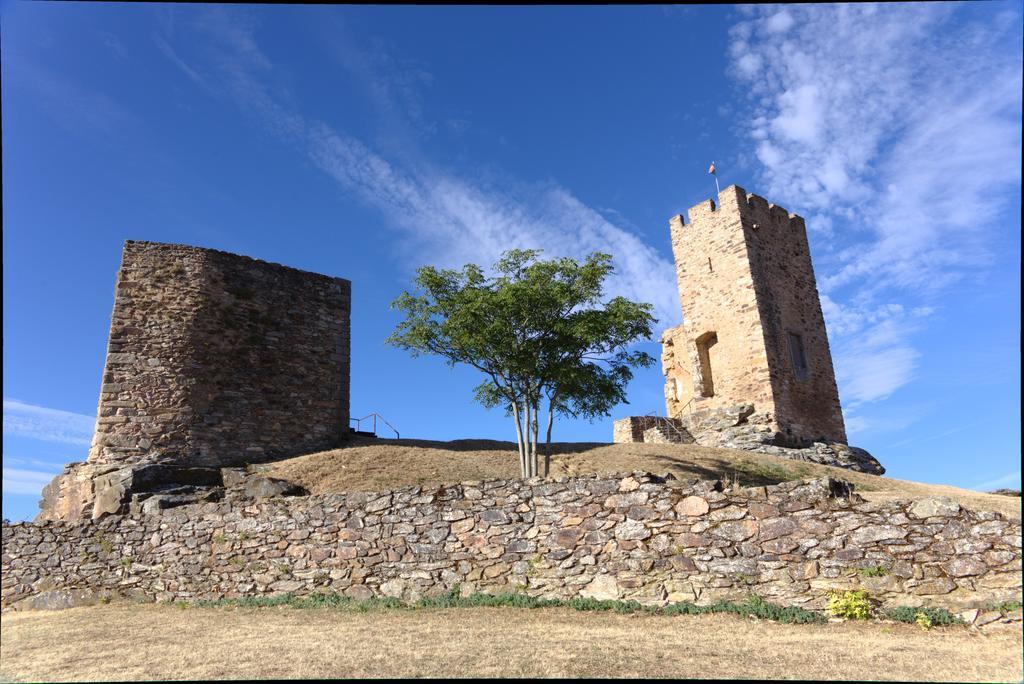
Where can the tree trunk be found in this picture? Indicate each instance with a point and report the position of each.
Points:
(547, 445)
(519, 439)
(528, 471)
(536, 421)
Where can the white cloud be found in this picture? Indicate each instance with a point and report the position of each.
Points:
(779, 22)
(46, 424)
(896, 130)
(19, 481)
(871, 376)
(444, 218)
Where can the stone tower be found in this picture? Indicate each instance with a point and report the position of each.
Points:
(753, 331)
(213, 360)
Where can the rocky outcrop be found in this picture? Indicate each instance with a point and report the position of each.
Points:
(739, 427)
(84, 490)
(633, 536)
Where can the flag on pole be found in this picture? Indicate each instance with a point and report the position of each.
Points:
(712, 169)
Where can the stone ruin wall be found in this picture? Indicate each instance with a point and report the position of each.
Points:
(744, 272)
(213, 360)
(632, 429)
(632, 536)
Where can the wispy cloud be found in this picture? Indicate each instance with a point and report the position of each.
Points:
(47, 424)
(1008, 480)
(20, 481)
(77, 108)
(444, 218)
(899, 124)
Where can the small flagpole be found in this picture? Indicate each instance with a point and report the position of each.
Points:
(711, 170)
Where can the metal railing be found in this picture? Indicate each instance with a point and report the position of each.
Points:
(669, 424)
(687, 405)
(374, 416)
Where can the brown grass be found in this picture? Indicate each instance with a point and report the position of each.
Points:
(165, 642)
(382, 464)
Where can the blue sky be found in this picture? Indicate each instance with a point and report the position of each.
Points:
(363, 142)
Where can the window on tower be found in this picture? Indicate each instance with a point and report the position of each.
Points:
(797, 356)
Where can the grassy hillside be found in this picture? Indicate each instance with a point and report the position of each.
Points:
(380, 464)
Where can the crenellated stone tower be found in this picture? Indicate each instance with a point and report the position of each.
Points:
(753, 331)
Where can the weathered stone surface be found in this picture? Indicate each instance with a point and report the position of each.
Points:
(692, 505)
(936, 506)
(964, 566)
(266, 487)
(58, 599)
(776, 527)
(736, 531)
(874, 533)
(630, 530)
(601, 588)
(939, 585)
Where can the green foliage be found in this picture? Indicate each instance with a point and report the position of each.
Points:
(853, 605)
(103, 542)
(923, 621)
(1004, 606)
(873, 571)
(536, 330)
(933, 616)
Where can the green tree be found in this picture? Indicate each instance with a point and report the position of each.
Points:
(537, 330)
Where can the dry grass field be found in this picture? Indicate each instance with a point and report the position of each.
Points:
(150, 642)
(382, 464)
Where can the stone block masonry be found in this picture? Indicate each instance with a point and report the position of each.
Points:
(630, 536)
(213, 360)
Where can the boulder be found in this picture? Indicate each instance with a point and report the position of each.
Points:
(267, 487)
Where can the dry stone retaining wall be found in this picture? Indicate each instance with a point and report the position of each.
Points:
(628, 537)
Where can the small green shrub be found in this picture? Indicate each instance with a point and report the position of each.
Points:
(923, 621)
(853, 605)
(1004, 606)
(934, 616)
